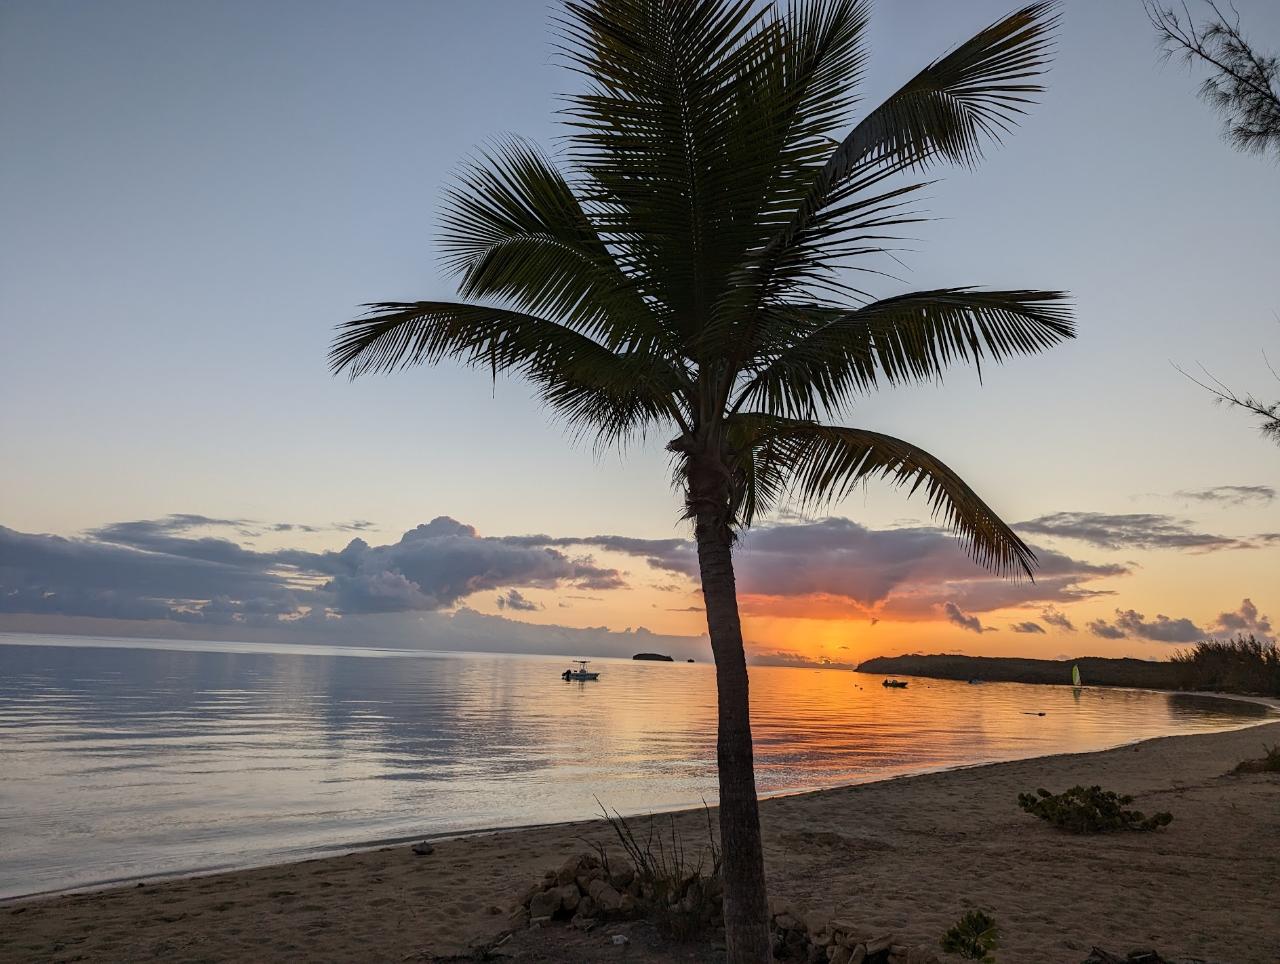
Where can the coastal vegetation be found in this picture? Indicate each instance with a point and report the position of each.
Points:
(1090, 810)
(1243, 665)
(1269, 762)
(687, 270)
(973, 937)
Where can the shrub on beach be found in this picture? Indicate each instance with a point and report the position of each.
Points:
(974, 936)
(1269, 762)
(1089, 810)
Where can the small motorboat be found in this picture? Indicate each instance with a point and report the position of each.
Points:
(895, 684)
(579, 675)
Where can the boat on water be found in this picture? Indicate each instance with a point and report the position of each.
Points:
(1075, 676)
(895, 684)
(579, 675)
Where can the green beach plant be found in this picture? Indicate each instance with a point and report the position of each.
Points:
(688, 267)
(974, 937)
(1090, 810)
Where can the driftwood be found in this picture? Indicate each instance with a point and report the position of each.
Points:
(1099, 956)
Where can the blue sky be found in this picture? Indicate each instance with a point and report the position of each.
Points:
(195, 194)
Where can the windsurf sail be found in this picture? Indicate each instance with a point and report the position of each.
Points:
(1075, 675)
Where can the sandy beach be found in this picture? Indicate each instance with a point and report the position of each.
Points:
(906, 856)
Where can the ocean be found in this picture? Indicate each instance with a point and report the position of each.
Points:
(124, 759)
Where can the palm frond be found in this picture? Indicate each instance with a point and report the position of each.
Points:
(613, 393)
(951, 110)
(515, 231)
(650, 128)
(822, 356)
(825, 463)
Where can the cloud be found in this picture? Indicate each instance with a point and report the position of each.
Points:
(1162, 629)
(90, 577)
(1100, 627)
(1246, 619)
(1230, 494)
(962, 619)
(162, 569)
(196, 570)
(780, 657)
(835, 569)
(1166, 629)
(1139, 530)
(670, 555)
(515, 599)
(1059, 619)
(1027, 627)
(436, 564)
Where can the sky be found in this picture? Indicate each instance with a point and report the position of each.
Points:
(194, 195)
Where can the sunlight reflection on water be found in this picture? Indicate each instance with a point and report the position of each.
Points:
(130, 761)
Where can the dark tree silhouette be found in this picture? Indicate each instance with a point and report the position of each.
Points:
(691, 272)
(1268, 413)
(1243, 84)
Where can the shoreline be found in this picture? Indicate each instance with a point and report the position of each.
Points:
(337, 850)
(906, 854)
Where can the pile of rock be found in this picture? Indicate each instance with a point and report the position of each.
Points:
(815, 938)
(586, 890)
(582, 892)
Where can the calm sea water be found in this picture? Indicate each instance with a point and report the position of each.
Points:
(122, 759)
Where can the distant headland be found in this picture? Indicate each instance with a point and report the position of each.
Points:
(654, 657)
(1094, 670)
(1244, 665)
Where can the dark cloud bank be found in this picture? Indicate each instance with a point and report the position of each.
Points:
(1134, 530)
(1129, 623)
(171, 576)
(186, 575)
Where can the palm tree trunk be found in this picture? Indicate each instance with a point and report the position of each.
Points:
(746, 912)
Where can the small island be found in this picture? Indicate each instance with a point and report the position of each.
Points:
(654, 657)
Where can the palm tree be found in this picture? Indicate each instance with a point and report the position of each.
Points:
(689, 269)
